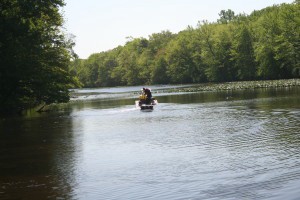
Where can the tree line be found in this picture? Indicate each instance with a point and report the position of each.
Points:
(262, 45)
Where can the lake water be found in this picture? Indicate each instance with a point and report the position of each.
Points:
(209, 145)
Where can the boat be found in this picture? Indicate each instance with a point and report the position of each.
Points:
(144, 104)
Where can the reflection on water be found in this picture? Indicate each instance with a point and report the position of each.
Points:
(225, 145)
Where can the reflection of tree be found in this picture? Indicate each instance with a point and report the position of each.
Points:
(37, 160)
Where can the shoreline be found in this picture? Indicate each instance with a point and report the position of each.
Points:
(240, 85)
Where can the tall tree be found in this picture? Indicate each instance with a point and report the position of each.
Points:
(226, 16)
(158, 43)
(287, 43)
(266, 31)
(183, 58)
(34, 54)
(242, 53)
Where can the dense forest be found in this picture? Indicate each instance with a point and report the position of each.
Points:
(35, 54)
(262, 45)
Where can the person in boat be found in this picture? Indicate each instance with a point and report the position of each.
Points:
(147, 92)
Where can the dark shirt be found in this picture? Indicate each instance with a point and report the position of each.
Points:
(148, 93)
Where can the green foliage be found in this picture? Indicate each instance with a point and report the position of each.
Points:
(242, 53)
(183, 58)
(159, 72)
(287, 48)
(263, 45)
(277, 42)
(34, 55)
(226, 16)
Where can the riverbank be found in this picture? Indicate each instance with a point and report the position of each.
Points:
(241, 85)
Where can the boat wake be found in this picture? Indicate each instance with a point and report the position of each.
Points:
(121, 110)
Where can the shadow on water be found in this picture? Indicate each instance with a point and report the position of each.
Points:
(37, 158)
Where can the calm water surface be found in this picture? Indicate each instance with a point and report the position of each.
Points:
(225, 145)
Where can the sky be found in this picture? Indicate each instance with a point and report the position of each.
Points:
(101, 25)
